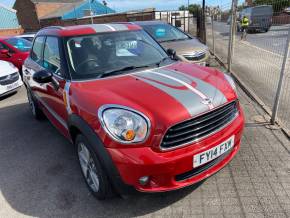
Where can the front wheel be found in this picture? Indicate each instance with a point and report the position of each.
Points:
(92, 170)
(35, 110)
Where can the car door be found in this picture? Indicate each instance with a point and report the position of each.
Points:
(54, 93)
(33, 64)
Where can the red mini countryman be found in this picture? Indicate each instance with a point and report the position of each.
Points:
(137, 117)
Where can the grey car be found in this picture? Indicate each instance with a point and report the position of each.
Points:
(187, 48)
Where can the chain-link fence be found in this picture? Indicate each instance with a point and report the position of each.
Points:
(255, 50)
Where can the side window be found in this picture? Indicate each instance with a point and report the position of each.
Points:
(51, 57)
(36, 52)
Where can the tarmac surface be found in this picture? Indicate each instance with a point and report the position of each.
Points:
(40, 176)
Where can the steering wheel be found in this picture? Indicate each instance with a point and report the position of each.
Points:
(85, 62)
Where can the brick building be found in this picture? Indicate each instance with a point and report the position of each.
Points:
(31, 12)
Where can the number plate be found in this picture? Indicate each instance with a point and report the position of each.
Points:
(211, 154)
(12, 86)
(202, 64)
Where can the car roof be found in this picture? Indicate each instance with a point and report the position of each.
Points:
(26, 35)
(6, 37)
(87, 29)
(149, 22)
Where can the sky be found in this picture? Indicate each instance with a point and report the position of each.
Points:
(124, 5)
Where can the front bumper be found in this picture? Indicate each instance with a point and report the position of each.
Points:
(4, 91)
(163, 168)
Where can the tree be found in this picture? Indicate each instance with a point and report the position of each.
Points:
(193, 8)
(278, 5)
(182, 8)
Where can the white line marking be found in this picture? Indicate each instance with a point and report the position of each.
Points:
(199, 93)
(264, 50)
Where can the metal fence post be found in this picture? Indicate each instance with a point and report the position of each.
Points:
(232, 33)
(213, 37)
(281, 81)
(184, 22)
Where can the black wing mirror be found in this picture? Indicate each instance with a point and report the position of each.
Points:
(42, 77)
(171, 53)
(5, 52)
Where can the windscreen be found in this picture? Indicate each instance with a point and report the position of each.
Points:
(92, 55)
(20, 44)
(165, 32)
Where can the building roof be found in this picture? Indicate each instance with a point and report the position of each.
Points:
(62, 10)
(75, 8)
(56, 1)
(8, 18)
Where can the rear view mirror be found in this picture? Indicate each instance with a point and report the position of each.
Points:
(42, 77)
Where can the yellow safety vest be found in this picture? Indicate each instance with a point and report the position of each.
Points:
(245, 22)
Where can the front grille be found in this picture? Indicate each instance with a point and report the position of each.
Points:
(195, 57)
(201, 168)
(199, 127)
(9, 79)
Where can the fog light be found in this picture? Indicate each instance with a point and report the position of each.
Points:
(144, 180)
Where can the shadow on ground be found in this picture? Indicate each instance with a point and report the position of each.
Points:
(40, 176)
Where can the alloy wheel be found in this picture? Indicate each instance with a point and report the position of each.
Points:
(88, 167)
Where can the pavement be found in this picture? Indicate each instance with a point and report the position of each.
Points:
(258, 62)
(40, 176)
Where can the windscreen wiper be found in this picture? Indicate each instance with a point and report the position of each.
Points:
(120, 71)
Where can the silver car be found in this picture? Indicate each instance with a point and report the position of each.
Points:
(187, 47)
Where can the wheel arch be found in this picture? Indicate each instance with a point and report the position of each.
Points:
(77, 125)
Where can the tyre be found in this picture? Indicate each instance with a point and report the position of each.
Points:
(92, 170)
(33, 104)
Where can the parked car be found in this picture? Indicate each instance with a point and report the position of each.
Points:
(171, 37)
(287, 10)
(14, 50)
(260, 17)
(10, 80)
(28, 36)
(137, 117)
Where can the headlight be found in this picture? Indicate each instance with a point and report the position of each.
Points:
(231, 82)
(123, 124)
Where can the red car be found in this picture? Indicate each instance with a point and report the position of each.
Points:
(137, 117)
(14, 50)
